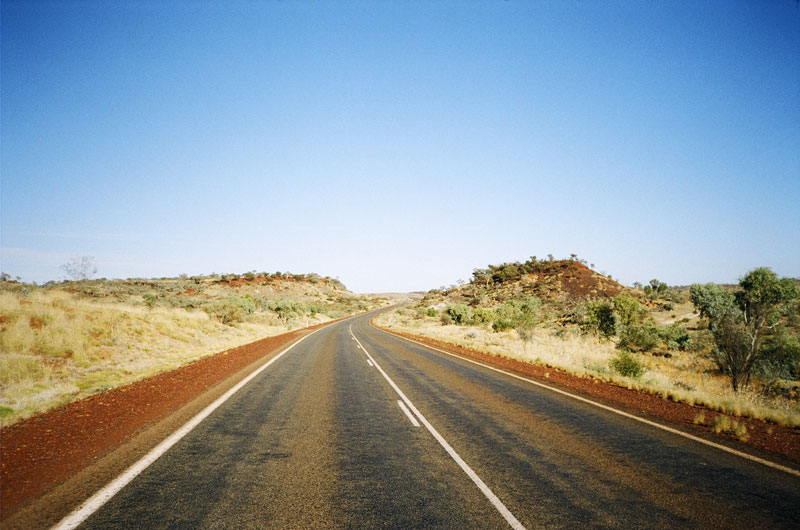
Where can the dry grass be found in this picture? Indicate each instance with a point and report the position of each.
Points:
(685, 376)
(57, 347)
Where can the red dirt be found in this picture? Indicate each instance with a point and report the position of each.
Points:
(784, 441)
(5, 319)
(241, 282)
(35, 323)
(573, 280)
(43, 451)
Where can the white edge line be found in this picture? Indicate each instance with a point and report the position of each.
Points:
(96, 501)
(496, 502)
(411, 418)
(610, 409)
(370, 362)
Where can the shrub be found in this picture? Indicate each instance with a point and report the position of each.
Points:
(431, 312)
(674, 336)
(482, 316)
(628, 310)
(599, 320)
(459, 314)
(639, 338)
(283, 307)
(627, 365)
(502, 325)
(232, 309)
(149, 300)
(782, 357)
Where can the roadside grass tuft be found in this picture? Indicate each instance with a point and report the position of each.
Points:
(725, 424)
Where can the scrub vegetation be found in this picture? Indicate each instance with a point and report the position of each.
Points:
(731, 348)
(62, 341)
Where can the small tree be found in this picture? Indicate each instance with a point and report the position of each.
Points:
(600, 319)
(80, 268)
(528, 316)
(629, 311)
(739, 321)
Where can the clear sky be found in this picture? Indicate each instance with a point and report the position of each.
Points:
(400, 145)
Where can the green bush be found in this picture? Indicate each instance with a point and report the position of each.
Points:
(782, 357)
(232, 309)
(482, 316)
(629, 311)
(431, 312)
(627, 365)
(285, 308)
(459, 314)
(639, 338)
(502, 325)
(599, 319)
(674, 336)
(149, 300)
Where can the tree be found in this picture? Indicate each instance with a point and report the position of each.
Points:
(656, 289)
(629, 311)
(481, 276)
(80, 268)
(528, 316)
(739, 321)
(712, 301)
(600, 319)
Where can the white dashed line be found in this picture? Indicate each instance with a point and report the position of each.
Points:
(497, 503)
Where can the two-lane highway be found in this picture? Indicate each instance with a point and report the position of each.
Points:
(320, 438)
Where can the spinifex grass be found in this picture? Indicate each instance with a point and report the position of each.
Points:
(57, 346)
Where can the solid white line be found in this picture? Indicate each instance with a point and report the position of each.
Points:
(507, 515)
(411, 418)
(370, 362)
(611, 409)
(82, 512)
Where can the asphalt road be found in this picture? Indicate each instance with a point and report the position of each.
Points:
(319, 440)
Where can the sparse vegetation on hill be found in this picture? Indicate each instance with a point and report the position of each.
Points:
(65, 340)
(561, 282)
(563, 314)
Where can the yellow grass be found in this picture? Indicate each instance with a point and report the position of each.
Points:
(56, 347)
(685, 377)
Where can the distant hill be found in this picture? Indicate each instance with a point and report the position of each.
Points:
(197, 291)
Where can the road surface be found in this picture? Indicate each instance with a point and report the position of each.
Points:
(356, 428)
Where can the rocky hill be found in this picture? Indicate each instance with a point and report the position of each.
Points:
(558, 282)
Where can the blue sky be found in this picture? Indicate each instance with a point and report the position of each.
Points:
(400, 145)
